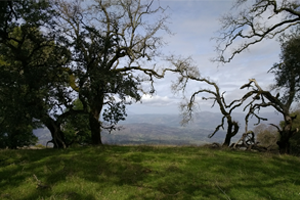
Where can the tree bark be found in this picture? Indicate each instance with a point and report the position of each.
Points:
(227, 141)
(95, 126)
(284, 146)
(230, 132)
(228, 135)
(58, 139)
(285, 134)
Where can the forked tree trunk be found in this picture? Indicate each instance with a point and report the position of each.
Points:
(230, 133)
(58, 138)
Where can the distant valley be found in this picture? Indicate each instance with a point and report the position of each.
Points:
(166, 129)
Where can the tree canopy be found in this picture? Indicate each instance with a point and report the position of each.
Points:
(287, 71)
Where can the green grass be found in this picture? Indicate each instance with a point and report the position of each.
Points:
(148, 172)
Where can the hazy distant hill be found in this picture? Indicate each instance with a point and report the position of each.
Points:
(145, 133)
(204, 120)
(166, 129)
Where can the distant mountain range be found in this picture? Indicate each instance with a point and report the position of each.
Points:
(204, 120)
(167, 129)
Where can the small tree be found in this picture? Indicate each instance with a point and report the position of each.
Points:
(261, 99)
(76, 127)
(188, 106)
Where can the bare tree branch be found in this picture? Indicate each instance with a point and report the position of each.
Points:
(251, 26)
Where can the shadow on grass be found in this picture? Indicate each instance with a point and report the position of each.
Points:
(65, 170)
(143, 172)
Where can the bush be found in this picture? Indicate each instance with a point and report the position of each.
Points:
(267, 136)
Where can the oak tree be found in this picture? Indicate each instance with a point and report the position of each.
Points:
(113, 45)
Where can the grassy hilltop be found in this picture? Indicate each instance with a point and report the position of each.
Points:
(147, 172)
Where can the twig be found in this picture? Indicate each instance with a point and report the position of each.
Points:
(40, 185)
(227, 197)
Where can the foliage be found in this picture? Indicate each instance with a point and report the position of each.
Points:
(76, 127)
(287, 72)
(147, 172)
(253, 23)
(39, 146)
(17, 137)
(35, 87)
(27, 64)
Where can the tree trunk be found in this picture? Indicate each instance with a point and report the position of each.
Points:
(227, 140)
(284, 142)
(284, 146)
(58, 139)
(230, 132)
(228, 136)
(285, 135)
(95, 129)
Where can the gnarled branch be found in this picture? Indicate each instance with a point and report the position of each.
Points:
(251, 26)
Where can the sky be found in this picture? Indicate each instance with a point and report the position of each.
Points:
(194, 23)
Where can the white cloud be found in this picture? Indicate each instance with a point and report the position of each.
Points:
(157, 101)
